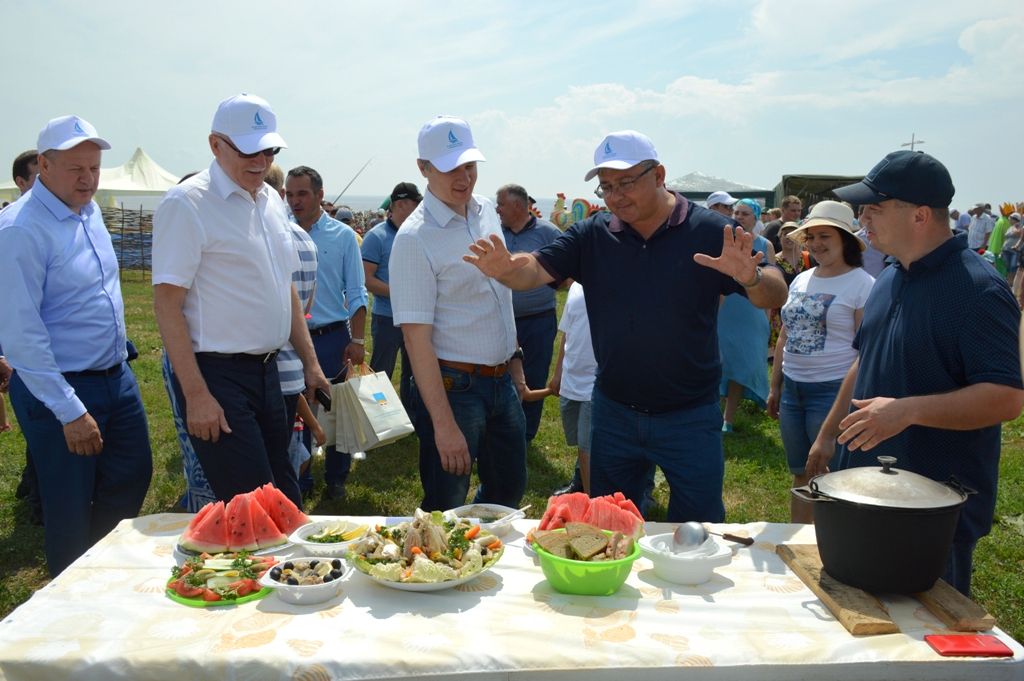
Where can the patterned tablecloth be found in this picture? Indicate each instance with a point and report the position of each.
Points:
(106, 617)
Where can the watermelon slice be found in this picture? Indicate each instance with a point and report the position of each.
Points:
(613, 512)
(607, 515)
(282, 511)
(263, 526)
(208, 531)
(240, 532)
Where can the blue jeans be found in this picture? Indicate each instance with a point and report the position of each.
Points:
(488, 413)
(329, 349)
(686, 443)
(387, 343)
(802, 410)
(536, 334)
(84, 497)
(960, 565)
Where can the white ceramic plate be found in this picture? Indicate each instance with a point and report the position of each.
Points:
(428, 586)
(307, 594)
(333, 549)
(181, 555)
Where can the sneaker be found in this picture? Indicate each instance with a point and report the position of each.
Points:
(726, 427)
(336, 490)
(574, 486)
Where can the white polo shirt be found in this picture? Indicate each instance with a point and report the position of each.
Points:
(432, 284)
(234, 255)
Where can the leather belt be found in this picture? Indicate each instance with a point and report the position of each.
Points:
(484, 370)
(116, 369)
(264, 358)
(327, 328)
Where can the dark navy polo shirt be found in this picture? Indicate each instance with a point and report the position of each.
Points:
(946, 322)
(653, 310)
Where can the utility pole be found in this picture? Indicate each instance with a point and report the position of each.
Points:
(912, 143)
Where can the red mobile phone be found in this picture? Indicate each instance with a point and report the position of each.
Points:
(968, 645)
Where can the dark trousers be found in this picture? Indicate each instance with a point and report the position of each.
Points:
(387, 343)
(329, 349)
(84, 497)
(255, 452)
(536, 334)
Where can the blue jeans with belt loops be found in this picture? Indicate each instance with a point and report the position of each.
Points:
(488, 412)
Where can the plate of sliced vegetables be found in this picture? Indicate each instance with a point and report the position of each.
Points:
(428, 553)
(220, 579)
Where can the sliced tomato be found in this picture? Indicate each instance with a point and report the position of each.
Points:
(184, 589)
(184, 570)
(210, 595)
(242, 587)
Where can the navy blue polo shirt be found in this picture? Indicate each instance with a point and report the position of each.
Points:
(653, 310)
(946, 322)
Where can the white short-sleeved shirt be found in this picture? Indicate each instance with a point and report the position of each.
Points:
(235, 255)
(578, 366)
(819, 321)
(430, 283)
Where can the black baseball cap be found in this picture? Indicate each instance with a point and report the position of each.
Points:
(911, 176)
(405, 190)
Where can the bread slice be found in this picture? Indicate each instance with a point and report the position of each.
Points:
(555, 543)
(588, 545)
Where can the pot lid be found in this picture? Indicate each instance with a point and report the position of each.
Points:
(887, 486)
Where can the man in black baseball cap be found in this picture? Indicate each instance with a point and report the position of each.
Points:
(937, 369)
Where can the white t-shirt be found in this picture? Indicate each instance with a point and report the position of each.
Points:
(819, 321)
(234, 254)
(578, 366)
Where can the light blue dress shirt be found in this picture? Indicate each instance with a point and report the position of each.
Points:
(63, 305)
(340, 282)
(376, 249)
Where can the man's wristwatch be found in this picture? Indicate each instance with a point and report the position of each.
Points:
(750, 284)
(359, 341)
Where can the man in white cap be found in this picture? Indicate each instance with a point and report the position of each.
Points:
(223, 259)
(721, 203)
(64, 334)
(459, 331)
(653, 268)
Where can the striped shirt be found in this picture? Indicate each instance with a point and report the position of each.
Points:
(471, 313)
(289, 366)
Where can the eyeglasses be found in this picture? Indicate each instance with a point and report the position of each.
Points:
(607, 188)
(269, 153)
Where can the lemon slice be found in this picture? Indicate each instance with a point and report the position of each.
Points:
(353, 533)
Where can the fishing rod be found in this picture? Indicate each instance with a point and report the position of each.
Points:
(335, 201)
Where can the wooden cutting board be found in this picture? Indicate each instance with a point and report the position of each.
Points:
(862, 614)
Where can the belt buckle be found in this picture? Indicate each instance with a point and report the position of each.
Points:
(269, 356)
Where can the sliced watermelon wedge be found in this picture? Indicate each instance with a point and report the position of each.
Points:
(284, 513)
(208, 531)
(264, 529)
(240, 531)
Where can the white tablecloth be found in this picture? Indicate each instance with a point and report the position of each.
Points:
(106, 617)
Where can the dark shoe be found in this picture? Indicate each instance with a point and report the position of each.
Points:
(336, 490)
(574, 486)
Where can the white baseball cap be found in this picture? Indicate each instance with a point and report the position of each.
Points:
(249, 122)
(447, 142)
(65, 132)
(828, 214)
(715, 198)
(622, 150)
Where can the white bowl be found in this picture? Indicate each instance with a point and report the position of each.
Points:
(306, 594)
(690, 568)
(499, 527)
(300, 537)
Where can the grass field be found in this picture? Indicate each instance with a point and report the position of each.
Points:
(387, 482)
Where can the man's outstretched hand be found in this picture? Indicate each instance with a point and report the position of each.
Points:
(736, 260)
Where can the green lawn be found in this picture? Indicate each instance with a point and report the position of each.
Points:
(387, 482)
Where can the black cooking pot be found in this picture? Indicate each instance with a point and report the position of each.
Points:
(884, 530)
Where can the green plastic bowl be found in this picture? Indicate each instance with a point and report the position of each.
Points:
(586, 578)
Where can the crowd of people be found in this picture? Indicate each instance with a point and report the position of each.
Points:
(868, 326)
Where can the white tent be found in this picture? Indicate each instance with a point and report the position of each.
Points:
(139, 176)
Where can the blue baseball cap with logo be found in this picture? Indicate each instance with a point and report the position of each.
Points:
(622, 150)
(249, 122)
(65, 132)
(911, 176)
(447, 142)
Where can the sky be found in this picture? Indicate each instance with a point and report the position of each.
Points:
(744, 90)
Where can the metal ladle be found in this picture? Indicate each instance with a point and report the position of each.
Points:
(689, 536)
